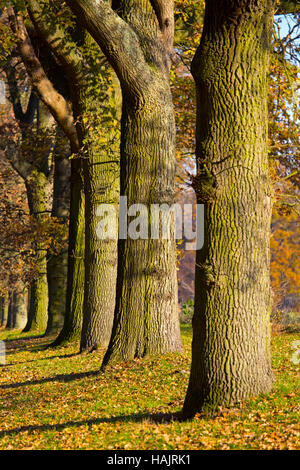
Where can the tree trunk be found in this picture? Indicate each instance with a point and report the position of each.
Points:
(4, 309)
(101, 167)
(231, 324)
(19, 306)
(39, 191)
(10, 310)
(57, 265)
(71, 330)
(37, 186)
(146, 316)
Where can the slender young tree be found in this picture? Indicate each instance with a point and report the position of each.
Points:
(137, 39)
(231, 324)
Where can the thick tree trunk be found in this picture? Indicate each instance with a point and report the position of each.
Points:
(71, 330)
(146, 316)
(10, 312)
(57, 265)
(231, 325)
(101, 166)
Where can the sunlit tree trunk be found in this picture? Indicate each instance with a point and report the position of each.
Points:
(146, 320)
(71, 330)
(57, 264)
(231, 324)
(20, 306)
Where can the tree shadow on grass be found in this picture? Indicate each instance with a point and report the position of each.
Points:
(30, 343)
(156, 418)
(23, 338)
(63, 356)
(56, 378)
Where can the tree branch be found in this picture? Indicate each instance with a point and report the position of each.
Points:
(116, 38)
(54, 101)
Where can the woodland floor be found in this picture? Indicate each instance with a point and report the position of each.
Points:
(57, 399)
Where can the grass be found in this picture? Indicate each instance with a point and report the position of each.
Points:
(57, 399)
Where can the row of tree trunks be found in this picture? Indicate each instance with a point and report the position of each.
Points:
(158, 328)
(4, 304)
(231, 328)
(13, 308)
(146, 315)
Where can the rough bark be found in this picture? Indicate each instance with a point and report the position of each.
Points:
(57, 264)
(98, 104)
(4, 301)
(146, 315)
(231, 326)
(145, 321)
(55, 102)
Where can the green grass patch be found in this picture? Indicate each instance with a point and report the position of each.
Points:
(58, 399)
